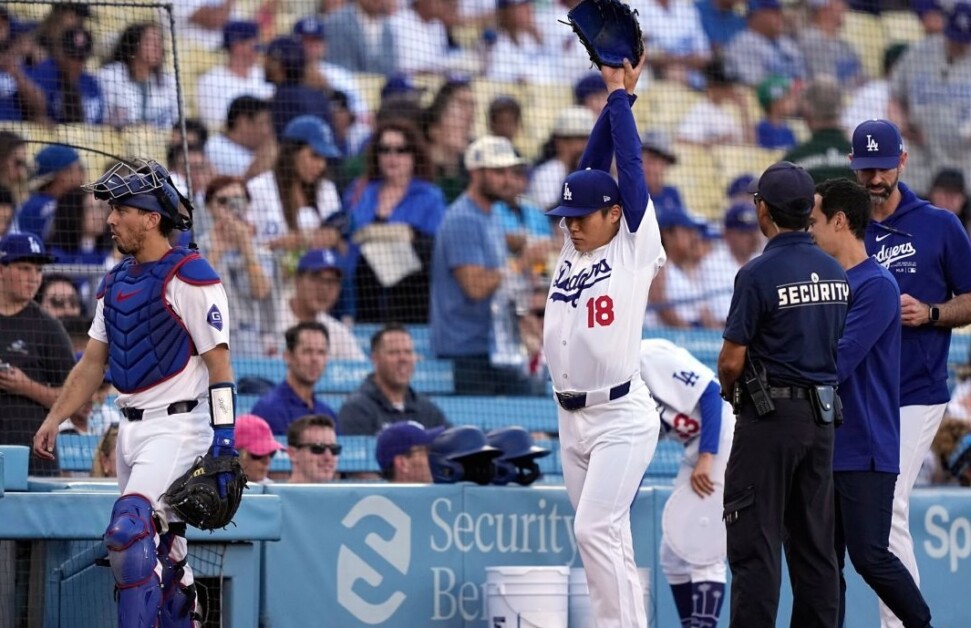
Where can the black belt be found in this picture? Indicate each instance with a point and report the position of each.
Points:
(572, 401)
(788, 392)
(179, 407)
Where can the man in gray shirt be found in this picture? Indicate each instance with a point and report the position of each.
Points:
(826, 53)
(932, 86)
(763, 49)
(386, 396)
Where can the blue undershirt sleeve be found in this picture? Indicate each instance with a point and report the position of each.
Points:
(711, 418)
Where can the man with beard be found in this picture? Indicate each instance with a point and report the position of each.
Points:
(306, 359)
(386, 396)
(473, 320)
(928, 252)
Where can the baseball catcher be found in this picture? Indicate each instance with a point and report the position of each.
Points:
(162, 326)
(609, 30)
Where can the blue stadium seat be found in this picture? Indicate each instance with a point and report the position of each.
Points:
(419, 335)
(344, 376)
(667, 459)
(535, 414)
(76, 451)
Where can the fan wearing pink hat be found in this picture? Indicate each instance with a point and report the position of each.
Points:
(256, 446)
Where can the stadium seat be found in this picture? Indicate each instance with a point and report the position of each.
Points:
(370, 87)
(535, 414)
(93, 137)
(76, 451)
(866, 34)
(733, 160)
(144, 140)
(901, 26)
(663, 106)
(344, 376)
(666, 461)
(35, 134)
(697, 177)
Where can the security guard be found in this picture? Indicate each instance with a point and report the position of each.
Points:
(778, 362)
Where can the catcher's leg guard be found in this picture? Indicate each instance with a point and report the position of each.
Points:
(178, 590)
(130, 539)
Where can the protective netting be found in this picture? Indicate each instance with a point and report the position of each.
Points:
(325, 145)
(67, 584)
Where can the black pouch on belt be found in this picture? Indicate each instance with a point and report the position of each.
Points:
(827, 407)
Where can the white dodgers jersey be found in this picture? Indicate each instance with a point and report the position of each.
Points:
(596, 306)
(676, 380)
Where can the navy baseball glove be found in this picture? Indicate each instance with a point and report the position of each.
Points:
(208, 494)
(609, 30)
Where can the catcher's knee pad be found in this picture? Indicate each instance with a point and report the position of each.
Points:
(179, 608)
(130, 539)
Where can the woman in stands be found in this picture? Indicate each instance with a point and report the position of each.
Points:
(136, 90)
(103, 464)
(393, 205)
(293, 205)
(447, 126)
(78, 234)
(247, 271)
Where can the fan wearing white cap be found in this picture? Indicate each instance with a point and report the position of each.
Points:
(473, 306)
(608, 422)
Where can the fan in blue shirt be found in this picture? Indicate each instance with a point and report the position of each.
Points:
(306, 358)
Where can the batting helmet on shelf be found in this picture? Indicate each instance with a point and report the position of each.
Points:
(145, 185)
(518, 460)
(461, 454)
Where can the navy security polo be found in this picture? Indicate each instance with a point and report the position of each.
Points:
(788, 308)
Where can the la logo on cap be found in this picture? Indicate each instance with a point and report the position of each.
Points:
(871, 144)
(567, 194)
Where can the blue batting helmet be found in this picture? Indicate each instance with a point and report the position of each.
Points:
(518, 460)
(145, 185)
(461, 454)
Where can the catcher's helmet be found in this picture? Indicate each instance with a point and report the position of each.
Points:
(145, 185)
(461, 454)
(518, 460)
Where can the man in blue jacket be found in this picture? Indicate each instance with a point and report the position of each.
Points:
(866, 451)
(927, 251)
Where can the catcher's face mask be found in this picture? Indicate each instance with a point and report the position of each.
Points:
(145, 185)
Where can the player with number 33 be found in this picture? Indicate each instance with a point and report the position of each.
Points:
(608, 422)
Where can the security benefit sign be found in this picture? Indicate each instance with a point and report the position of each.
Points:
(406, 556)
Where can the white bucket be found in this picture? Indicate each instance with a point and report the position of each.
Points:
(581, 615)
(527, 597)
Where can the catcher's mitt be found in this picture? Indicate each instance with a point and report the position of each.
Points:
(609, 30)
(195, 495)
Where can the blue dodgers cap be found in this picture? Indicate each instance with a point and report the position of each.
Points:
(876, 144)
(958, 26)
(742, 217)
(786, 187)
(288, 51)
(54, 158)
(399, 437)
(239, 30)
(739, 185)
(19, 247)
(314, 132)
(590, 84)
(311, 26)
(399, 83)
(757, 5)
(586, 191)
(679, 217)
(319, 259)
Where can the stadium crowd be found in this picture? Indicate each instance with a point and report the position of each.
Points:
(328, 145)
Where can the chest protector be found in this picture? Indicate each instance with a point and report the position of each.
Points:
(147, 341)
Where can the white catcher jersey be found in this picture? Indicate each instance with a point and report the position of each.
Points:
(596, 305)
(191, 304)
(676, 380)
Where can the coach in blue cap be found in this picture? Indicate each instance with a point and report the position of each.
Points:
(35, 351)
(927, 251)
(778, 366)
